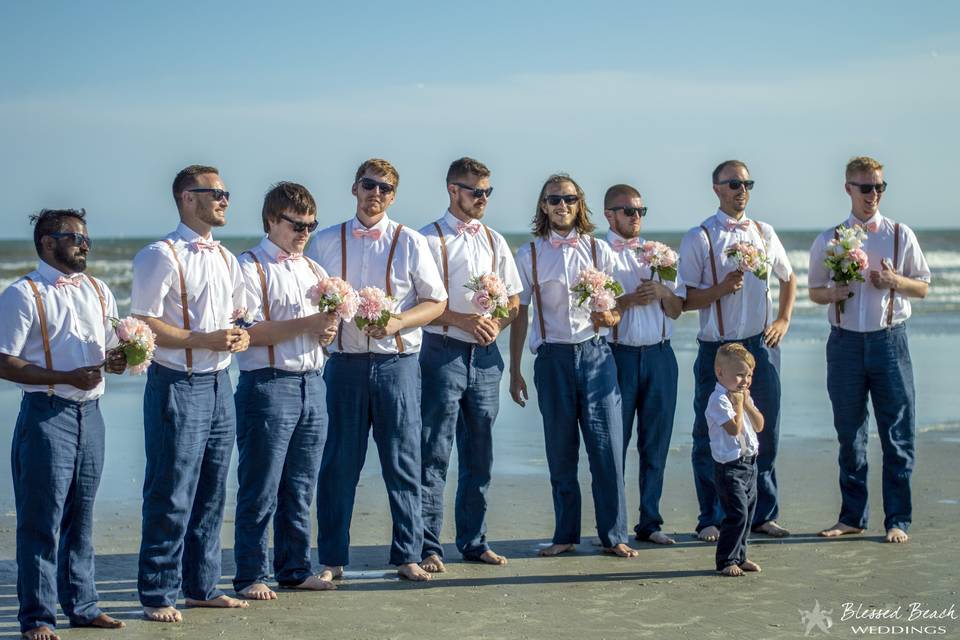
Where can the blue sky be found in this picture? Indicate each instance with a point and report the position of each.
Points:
(102, 102)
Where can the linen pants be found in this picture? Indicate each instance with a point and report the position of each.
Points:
(189, 424)
(875, 363)
(382, 391)
(736, 484)
(577, 393)
(56, 459)
(765, 392)
(281, 428)
(648, 387)
(461, 396)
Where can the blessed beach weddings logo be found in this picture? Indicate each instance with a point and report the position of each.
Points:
(915, 618)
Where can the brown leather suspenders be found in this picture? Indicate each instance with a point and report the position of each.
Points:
(536, 281)
(896, 259)
(445, 265)
(266, 301)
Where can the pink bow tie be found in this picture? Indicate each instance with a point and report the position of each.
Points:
(472, 229)
(373, 234)
(556, 243)
(872, 227)
(620, 245)
(73, 281)
(731, 225)
(283, 256)
(203, 245)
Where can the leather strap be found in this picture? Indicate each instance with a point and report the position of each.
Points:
(42, 319)
(389, 289)
(96, 287)
(713, 270)
(896, 259)
(266, 302)
(536, 291)
(493, 250)
(183, 299)
(343, 276)
(836, 305)
(446, 269)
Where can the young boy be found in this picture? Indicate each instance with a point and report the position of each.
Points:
(733, 422)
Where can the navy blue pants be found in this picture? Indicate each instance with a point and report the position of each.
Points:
(875, 363)
(281, 428)
(648, 387)
(382, 391)
(765, 392)
(189, 425)
(736, 484)
(577, 393)
(461, 383)
(56, 459)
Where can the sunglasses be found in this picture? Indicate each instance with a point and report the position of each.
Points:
(475, 192)
(300, 227)
(78, 238)
(631, 211)
(867, 188)
(555, 200)
(369, 184)
(736, 184)
(218, 194)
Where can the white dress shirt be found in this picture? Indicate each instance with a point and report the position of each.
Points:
(287, 284)
(748, 311)
(413, 277)
(647, 324)
(78, 332)
(723, 446)
(867, 309)
(558, 270)
(214, 290)
(468, 255)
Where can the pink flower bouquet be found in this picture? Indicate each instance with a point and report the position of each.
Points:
(241, 318)
(846, 258)
(661, 259)
(137, 342)
(373, 308)
(489, 295)
(750, 258)
(335, 295)
(597, 289)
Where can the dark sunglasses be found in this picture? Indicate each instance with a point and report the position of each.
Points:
(631, 211)
(218, 194)
(736, 184)
(369, 184)
(475, 192)
(300, 227)
(78, 238)
(555, 200)
(867, 188)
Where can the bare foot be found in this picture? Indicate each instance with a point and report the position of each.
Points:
(621, 550)
(750, 565)
(838, 530)
(659, 537)
(162, 614)
(103, 621)
(489, 557)
(895, 534)
(258, 591)
(772, 529)
(433, 564)
(731, 571)
(328, 575)
(220, 602)
(413, 572)
(40, 633)
(709, 534)
(556, 549)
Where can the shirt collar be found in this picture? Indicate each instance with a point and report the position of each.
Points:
(573, 234)
(453, 221)
(874, 219)
(380, 226)
(613, 235)
(268, 247)
(49, 272)
(720, 388)
(721, 218)
(190, 235)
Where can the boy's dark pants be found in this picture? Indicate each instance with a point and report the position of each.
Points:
(736, 484)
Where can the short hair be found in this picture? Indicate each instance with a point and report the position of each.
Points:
(734, 351)
(728, 163)
(463, 167)
(618, 190)
(541, 223)
(187, 179)
(862, 164)
(286, 196)
(378, 166)
(51, 221)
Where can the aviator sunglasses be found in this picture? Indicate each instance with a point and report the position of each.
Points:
(218, 194)
(555, 200)
(631, 211)
(867, 188)
(78, 238)
(300, 227)
(475, 192)
(736, 184)
(369, 184)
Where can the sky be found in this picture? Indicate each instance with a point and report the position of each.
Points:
(101, 103)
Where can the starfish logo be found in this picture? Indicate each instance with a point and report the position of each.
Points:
(816, 619)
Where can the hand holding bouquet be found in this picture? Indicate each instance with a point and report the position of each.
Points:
(846, 258)
(373, 308)
(598, 289)
(241, 318)
(488, 295)
(661, 259)
(334, 295)
(136, 342)
(750, 258)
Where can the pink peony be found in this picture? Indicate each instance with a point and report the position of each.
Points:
(373, 308)
(335, 295)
